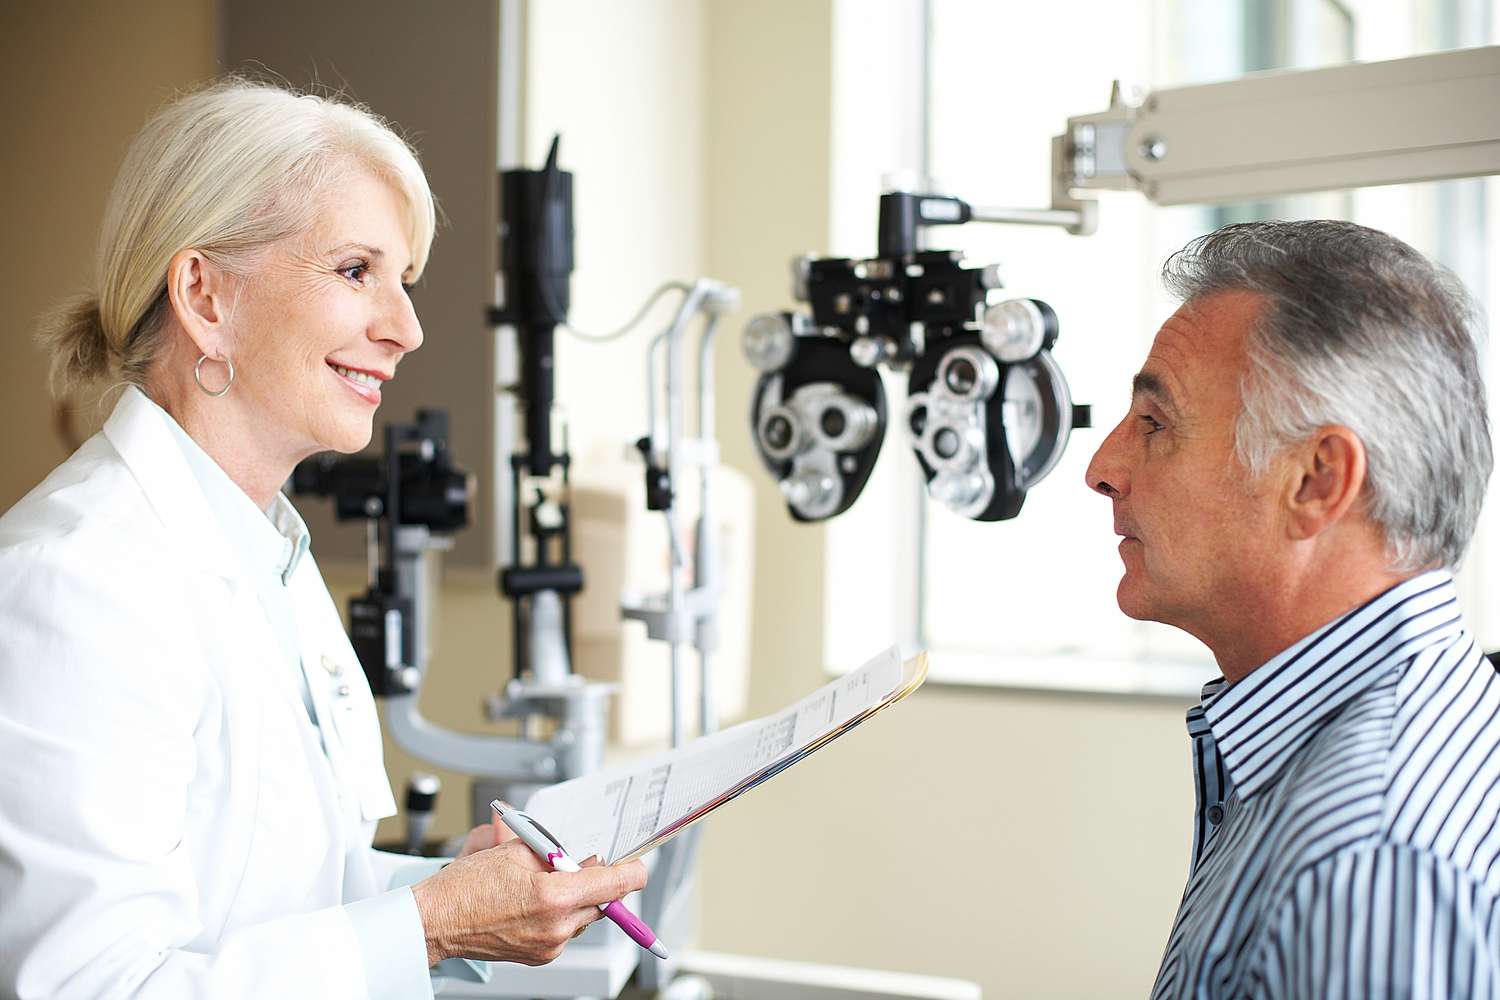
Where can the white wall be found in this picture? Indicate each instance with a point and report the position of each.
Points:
(623, 84)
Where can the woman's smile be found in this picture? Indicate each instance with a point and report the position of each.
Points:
(364, 384)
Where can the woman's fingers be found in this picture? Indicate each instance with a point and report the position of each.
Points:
(520, 854)
(481, 838)
(596, 885)
(504, 903)
(502, 832)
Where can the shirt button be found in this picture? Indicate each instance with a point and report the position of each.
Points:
(1216, 814)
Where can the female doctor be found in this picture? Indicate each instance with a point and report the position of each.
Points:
(190, 761)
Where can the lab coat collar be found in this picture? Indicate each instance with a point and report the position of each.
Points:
(139, 430)
(271, 541)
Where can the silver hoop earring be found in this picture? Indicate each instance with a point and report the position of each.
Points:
(198, 376)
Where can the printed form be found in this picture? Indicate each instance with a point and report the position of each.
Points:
(623, 812)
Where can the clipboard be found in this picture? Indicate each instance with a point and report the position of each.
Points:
(624, 812)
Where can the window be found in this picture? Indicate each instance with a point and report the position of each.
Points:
(1030, 601)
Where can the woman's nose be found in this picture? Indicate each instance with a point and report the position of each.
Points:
(402, 326)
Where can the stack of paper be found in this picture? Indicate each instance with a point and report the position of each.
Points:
(621, 813)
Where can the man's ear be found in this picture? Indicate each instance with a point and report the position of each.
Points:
(199, 294)
(1328, 476)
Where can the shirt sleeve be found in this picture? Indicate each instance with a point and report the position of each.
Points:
(1391, 921)
(392, 871)
(398, 871)
(393, 945)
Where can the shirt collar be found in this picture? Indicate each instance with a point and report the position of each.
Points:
(1262, 720)
(1197, 717)
(271, 541)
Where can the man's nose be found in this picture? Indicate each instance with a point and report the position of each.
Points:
(1106, 474)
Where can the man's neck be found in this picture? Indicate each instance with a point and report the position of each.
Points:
(1297, 605)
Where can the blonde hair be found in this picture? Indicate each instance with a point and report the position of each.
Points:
(227, 170)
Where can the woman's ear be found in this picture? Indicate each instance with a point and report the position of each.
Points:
(199, 293)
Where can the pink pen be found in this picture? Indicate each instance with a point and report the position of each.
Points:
(546, 847)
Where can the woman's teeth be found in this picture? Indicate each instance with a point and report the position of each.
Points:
(360, 377)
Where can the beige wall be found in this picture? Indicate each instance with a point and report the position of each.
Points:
(1034, 843)
(78, 80)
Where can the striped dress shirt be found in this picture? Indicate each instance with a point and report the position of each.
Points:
(1345, 841)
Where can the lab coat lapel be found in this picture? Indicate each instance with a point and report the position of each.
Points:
(293, 739)
(341, 696)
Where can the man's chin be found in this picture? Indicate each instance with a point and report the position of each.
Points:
(1133, 602)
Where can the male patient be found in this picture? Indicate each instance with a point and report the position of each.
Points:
(1301, 468)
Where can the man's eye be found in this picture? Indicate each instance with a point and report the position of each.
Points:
(1152, 424)
(356, 272)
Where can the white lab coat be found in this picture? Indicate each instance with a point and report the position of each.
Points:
(170, 824)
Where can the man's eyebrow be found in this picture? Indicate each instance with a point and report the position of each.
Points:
(1147, 384)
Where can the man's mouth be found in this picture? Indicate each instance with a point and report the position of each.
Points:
(1127, 534)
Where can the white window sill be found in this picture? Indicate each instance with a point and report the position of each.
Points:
(1065, 672)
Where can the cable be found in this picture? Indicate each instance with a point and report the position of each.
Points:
(550, 297)
(670, 286)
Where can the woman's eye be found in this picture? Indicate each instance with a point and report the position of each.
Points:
(1152, 424)
(355, 272)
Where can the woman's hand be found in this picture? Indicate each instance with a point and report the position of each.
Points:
(501, 904)
(482, 838)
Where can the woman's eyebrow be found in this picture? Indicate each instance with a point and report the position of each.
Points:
(362, 247)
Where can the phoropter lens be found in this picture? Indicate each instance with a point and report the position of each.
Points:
(962, 376)
(769, 341)
(778, 432)
(833, 422)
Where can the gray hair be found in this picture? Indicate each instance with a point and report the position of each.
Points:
(228, 170)
(1359, 329)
